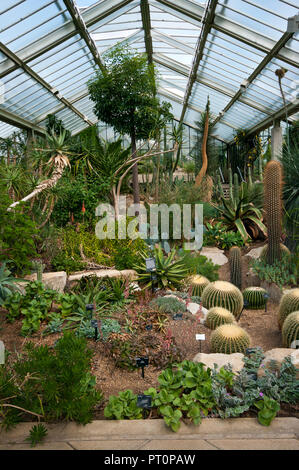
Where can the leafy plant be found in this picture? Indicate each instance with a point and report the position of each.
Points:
(218, 235)
(199, 264)
(268, 409)
(123, 406)
(282, 272)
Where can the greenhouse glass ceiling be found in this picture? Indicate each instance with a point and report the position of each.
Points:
(227, 50)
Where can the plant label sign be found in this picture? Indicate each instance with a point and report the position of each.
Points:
(2, 352)
(200, 337)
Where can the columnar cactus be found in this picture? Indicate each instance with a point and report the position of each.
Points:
(290, 329)
(273, 208)
(235, 266)
(289, 303)
(255, 297)
(218, 316)
(236, 188)
(223, 294)
(229, 339)
(198, 284)
(39, 267)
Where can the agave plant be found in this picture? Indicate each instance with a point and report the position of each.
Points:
(240, 214)
(7, 282)
(169, 271)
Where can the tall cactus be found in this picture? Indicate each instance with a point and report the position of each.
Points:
(230, 180)
(235, 266)
(236, 188)
(273, 208)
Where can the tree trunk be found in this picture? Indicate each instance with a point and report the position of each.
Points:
(136, 193)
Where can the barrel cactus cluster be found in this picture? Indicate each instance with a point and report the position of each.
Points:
(223, 294)
(290, 330)
(218, 316)
(198, 284)
(229, 339)
(289, 303)
(255, 296)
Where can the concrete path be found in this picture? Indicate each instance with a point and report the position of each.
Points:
(212, 434)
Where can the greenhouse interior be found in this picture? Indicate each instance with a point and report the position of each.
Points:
(149, 211)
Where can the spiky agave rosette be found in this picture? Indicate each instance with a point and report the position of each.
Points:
(223, 294)
(290, 329)
(229, 339)
(289, 303)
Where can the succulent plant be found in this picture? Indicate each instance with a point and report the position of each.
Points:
(273, 208)
(289, 303)
(229, 339)
(235, 266)
(223, 294)
(218, 316)
(198, 284)
(290, 329)
(283, 250)
(255, 296)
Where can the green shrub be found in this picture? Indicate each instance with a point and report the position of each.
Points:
(54, 383)
(199, 264)
(169, 305)
(218, 235)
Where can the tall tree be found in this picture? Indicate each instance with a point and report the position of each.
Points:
(124, 94)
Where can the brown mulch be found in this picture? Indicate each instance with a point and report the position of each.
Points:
(262, 327)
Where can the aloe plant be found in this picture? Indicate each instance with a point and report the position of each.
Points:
(8, 283)
(169, 271)
(240, 213)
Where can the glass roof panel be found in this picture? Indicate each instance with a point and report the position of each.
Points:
(29, 20)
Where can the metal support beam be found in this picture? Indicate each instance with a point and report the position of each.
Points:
(18, 121)
(12, 56)
(207, 21)
(289, 110)
(183, 70)
(189, 9)
(91, 16)
(84, 33)
(146, 21)
(274, 51)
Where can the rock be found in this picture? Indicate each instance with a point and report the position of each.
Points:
(278, 355)
(2, 353)
(214, 254)
(252, 279)
(235, 360)
(55, 281)
(129, 274)
(198, 310)
(273, 290)
(255, 253)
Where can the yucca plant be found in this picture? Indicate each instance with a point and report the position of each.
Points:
(169, 271)
(59, 160)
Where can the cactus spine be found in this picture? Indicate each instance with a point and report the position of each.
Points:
(289, 303)
(273, 208)
(290, 329)
(198, 284)
(255, 297)
(235, 266)
(229, 339)
(218, 316)
(223, 294)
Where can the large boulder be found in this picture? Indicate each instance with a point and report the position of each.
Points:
(235, 360)
(215, 255)
(129, 274)
(278, 355)
(55, 281)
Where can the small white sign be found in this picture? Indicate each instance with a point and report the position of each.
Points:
(2, 350)
(200, 337)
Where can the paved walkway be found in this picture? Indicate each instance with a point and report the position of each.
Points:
(212, 434)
